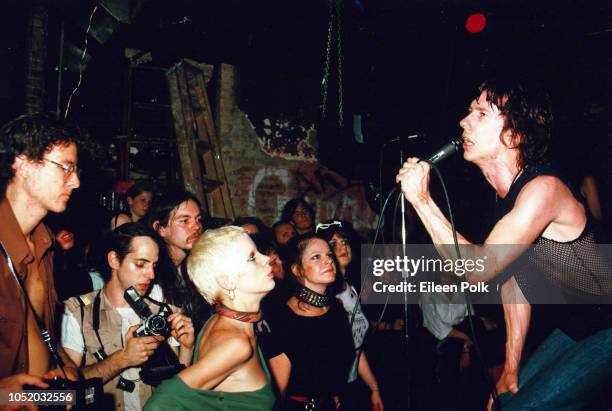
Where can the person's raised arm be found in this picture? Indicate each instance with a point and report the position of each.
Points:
(414, 179)
(538, 204)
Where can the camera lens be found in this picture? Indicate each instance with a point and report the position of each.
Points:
(157, 323)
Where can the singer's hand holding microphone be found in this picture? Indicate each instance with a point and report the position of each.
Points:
(414, 178)
(414, 174)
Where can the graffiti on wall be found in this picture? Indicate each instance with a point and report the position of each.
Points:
(268, 192)
(331, 194)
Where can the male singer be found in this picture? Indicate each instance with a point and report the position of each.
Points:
(506, 133)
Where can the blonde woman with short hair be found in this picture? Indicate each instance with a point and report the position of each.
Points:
(229, 372)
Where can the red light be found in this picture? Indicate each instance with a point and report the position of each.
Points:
(476, 23)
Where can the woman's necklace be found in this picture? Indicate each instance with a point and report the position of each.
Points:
(306, 295)
(244, 316)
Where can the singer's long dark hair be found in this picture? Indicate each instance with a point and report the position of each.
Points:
(528, 115)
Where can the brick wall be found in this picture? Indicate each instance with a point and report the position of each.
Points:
(261, 183)
(36, 57)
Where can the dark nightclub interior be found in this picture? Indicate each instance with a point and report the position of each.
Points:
(408, 67)
(315, 99)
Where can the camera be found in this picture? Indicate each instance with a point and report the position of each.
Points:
(152, 324)
(88, 392)
(164, 363)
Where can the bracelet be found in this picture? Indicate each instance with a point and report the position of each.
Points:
(375, 389)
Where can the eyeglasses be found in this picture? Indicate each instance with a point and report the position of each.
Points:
(325, 226)
(67, 170)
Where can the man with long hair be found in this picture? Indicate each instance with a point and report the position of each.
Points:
(506, 134)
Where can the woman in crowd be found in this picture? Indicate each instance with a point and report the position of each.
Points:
(253, 225)
(344, 242)
(300, 214)
(139, 198)
(279, 295)
(69, 259)
(310, 348)
(283, 232)
(228, 371)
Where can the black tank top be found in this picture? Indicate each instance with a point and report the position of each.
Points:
(575, 272)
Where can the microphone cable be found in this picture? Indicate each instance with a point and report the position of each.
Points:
(398, 193)
(376, 232)
(468, 302)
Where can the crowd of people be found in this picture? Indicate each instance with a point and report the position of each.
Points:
(170, 315)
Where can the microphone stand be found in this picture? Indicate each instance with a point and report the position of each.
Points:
(405, 278)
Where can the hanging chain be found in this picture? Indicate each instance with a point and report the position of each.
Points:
(335, 7)
(325, 81)
(339, 50)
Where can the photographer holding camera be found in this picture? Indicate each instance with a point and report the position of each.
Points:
(99, 328)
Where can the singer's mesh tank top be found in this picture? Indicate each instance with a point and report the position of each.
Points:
(577, 270)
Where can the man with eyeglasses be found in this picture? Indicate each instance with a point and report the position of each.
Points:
(38, 160)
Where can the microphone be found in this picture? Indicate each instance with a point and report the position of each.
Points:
(444, 152)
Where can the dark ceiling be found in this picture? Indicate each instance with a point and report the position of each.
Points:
(409, 66)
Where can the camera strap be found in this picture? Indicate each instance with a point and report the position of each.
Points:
(100, 354)
(162, 305)
(82, 309)
(45, 335)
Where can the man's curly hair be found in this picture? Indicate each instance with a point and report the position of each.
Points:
(528, 115)
(32, 135)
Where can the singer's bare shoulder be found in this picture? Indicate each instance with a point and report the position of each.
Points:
(552, 198)
(545, 206)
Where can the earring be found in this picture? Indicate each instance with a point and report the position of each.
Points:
(231, 295)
